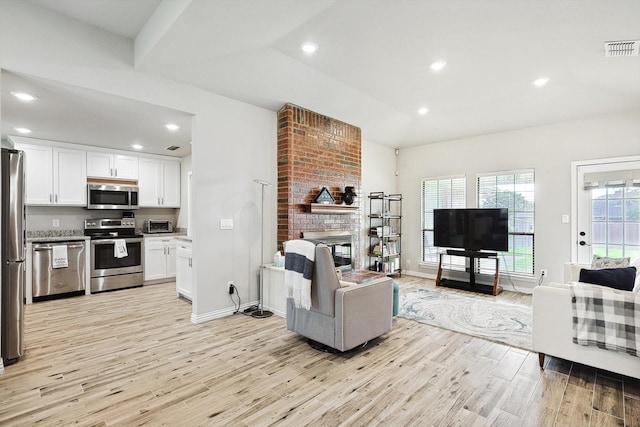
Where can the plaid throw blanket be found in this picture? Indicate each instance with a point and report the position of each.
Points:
(606, 317)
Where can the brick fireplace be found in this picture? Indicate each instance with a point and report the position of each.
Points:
(316, 151)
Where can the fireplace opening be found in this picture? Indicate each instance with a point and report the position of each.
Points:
(340, 243)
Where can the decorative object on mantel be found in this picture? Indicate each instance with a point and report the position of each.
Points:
(348, 195)
(324, 197)
(261, 313)
(324, 203)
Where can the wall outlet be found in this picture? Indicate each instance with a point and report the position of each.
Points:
(543, 272)
(56, 222)
(231, 287)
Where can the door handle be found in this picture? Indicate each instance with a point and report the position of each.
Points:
(583, 243)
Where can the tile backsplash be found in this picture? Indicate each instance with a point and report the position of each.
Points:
(71, 219)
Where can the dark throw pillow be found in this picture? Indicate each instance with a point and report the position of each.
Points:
(618, 278)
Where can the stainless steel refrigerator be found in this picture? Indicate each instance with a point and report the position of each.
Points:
(13, 251)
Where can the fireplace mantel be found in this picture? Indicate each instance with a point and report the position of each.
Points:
(327, 208)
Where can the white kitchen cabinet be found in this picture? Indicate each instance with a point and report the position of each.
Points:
(159, 259)
(159, 183)
(107, 165)
(69, 177)
(54, 176)
(184, 269)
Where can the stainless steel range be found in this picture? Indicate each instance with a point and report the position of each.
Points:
(116, 253)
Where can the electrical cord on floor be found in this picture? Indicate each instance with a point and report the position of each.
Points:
(504, 261)
(237, 307)
(540, 280)
(247, 311)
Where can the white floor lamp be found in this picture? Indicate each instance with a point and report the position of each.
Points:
(261, 313)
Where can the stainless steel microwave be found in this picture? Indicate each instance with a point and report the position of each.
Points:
(112, 196)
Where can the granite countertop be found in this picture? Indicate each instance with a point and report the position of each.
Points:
(56, 239)
(56, 236)
(176, 234)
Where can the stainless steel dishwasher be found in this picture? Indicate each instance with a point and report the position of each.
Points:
(49, 277)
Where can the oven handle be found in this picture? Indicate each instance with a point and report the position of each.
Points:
(113, 241)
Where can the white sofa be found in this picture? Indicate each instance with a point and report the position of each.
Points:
(553, 332)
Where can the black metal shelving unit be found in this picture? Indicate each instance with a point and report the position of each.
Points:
(385, 233)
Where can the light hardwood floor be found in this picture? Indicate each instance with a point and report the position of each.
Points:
(132, 357)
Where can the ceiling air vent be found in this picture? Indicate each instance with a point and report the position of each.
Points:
(172, 148)
(622, 48)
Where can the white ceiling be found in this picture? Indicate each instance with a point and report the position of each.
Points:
(79, 116)
(372, 66)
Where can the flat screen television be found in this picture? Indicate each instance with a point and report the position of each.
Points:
(471, 229)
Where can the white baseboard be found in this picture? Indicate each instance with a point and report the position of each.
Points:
(212, 315)
(276, 312)
(419, 274)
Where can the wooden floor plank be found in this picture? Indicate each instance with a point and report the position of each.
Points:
(133, 357)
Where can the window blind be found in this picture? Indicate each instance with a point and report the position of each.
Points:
(611, 179)
(437, 193)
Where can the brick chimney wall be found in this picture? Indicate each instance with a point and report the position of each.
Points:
(316, 151)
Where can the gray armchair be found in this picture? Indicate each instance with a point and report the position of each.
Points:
(342, 317)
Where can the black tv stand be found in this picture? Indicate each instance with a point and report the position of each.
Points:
(471, 285)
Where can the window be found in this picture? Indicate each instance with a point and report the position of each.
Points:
(513, 190)
(445, 192)
(615, 222)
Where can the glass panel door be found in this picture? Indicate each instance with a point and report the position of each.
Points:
(608, 214)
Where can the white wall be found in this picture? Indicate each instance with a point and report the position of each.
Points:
(233, 142)
(548, 149)
(378, 174)
(186, 167)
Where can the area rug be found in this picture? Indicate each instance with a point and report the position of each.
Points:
(480, 317)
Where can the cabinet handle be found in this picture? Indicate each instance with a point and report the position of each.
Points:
(56, 198)
(50, 198)
(162, 200)
(111, 171)
(116, 171)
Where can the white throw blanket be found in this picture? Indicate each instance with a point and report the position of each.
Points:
(299, 259)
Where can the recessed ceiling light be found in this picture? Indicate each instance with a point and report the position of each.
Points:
(438, 65)
(23, 96)
(309, 47)
(540, 81)
(172, 126)
(423, 110)
(22, 130)
(137, 146)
